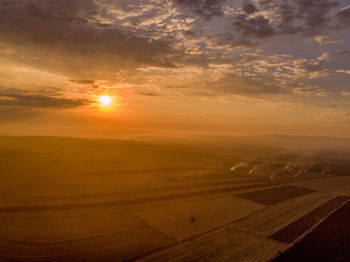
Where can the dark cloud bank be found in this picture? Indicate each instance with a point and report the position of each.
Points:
(304, 17)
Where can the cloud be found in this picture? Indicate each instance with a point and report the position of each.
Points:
(113, 41)
(76, 34)
(149, 94)
(204, 8)
(252, 74)
(39, 101)
(343, 16)
(257, 27)
(82, 81)
(249, 8)
(343, 71)
(342, 52)
(230, 41)
(306, 17)
(264, 19)
(327, 39)
(230, 84)
(311, 66)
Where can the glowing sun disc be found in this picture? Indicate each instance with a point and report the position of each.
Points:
(105, 101)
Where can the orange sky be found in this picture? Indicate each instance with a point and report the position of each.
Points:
(174, 67)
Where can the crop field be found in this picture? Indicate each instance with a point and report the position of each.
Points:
(265, 222)
(275, 195)
(193, 218)
(118, 246)
(328, 242)
(300, 226)
(67, 199)
(38, 229)
(221, 245)
(337, 185)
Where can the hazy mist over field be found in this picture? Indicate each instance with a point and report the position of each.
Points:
(174, 130)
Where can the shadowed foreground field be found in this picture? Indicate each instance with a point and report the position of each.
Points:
(329, 242)
(67, 199)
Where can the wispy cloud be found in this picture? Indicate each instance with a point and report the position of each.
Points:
(39, 101)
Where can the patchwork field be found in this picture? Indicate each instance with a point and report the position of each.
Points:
(265, 221)
(225, 244)
(65, 199)
(186, 220)
(337, 185)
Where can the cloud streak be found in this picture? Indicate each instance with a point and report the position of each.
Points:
(39, 101)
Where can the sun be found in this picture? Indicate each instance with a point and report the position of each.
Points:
(105, 101)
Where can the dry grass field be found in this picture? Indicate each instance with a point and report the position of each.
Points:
(67, 199)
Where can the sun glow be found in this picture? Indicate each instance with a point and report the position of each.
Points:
(105, 101)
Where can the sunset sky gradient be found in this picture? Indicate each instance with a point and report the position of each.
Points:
(175, 66)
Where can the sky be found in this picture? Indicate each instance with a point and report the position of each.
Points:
(220, 67)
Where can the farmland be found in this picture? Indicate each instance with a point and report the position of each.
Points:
(68, 199)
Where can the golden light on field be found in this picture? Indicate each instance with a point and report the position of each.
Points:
(105, 101)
